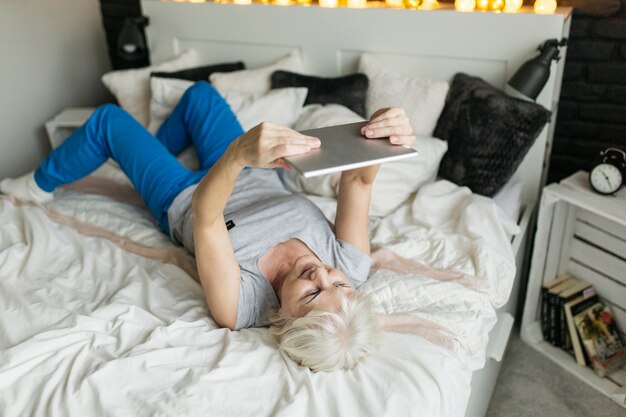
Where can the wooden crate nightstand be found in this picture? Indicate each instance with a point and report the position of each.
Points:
(64, 123)
(584, 234)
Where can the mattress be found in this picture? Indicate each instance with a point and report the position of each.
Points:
(102, 316)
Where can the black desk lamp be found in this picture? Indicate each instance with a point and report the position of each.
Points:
(131, 43)
(532, 76)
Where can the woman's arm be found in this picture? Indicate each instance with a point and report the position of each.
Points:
(263, 146)
(355, 186)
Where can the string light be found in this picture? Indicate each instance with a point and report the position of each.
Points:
(512, 6)
(545, 6)
(464, 5)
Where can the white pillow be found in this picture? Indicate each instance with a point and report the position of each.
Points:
(255, 80)
(131, 87)
(422, 98)
(395, 181)
(282, 106)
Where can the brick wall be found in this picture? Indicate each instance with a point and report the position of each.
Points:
(592, 110)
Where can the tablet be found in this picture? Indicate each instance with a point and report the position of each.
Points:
(342, 148)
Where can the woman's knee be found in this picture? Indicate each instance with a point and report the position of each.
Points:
(202, 91)
(107, 112)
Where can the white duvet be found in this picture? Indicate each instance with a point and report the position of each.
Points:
(90, 328)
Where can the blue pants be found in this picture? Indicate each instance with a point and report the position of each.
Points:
(201, 118)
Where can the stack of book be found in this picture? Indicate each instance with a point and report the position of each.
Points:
(575, 319)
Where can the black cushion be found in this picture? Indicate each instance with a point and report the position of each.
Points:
(200, 73)
(488, 134)
(349, 90)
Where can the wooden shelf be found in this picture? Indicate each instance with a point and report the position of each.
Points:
(584, 234)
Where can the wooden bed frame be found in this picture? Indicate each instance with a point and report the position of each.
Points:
(428, 43)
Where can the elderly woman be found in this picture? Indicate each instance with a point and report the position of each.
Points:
(265, 256)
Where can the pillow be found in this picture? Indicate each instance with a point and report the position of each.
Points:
(395, 181)
(131, 87)
(201, 73)
(254, 80)
(488, 134)
(282, 106)
(421, 98)
(349, 90)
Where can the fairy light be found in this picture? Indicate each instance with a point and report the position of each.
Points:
(395, 3)
(512, 6)
(545, 6)
(464, 5)
(482, 5)
(357, 4)
(430, 4)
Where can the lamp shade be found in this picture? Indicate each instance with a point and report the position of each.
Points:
(532, 76)
(131, 44)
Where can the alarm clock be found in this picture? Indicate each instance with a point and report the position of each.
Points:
(607, 175)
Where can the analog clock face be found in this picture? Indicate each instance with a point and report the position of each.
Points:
(605, 178)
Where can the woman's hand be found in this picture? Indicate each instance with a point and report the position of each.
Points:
(390, 122)
(266, 144)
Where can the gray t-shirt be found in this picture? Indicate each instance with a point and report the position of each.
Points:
(265, 214)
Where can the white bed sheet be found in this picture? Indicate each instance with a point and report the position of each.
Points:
(89, 328)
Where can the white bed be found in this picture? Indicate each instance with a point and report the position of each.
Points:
(101, 316)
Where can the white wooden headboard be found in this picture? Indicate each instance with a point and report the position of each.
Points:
(428, 43)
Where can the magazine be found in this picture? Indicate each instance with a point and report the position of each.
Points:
(601, 339)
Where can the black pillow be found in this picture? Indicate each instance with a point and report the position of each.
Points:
(200, 73)
(349, 90)
(488, 134)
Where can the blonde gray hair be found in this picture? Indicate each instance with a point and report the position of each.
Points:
(326, 341)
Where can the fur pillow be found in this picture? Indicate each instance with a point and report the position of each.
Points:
(349, 91)
(201, 73)
(488, 134)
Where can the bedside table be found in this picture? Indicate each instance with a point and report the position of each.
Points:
(581, 233)
(64, 123)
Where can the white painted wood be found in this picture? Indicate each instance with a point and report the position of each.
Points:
(604, 385)
(577, 191)
(569, 226)
(435, 44)
(599, 260)
(600, 221)
(601, 239)
(484, 380)
(556, 241)
(619, 377)
(607, 226)
(501, 335)
(64, 123)
(607, 288)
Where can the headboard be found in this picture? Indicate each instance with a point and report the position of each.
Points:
(428, 43)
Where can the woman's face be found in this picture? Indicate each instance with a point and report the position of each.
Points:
(311, 285)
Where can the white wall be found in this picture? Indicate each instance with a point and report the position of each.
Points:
(52, 54)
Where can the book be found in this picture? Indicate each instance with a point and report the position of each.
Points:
(575, 290)
(600, 338)
(571, 308)
(545, 304)
(553, 310)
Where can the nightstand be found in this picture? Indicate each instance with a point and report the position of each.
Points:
(584, 234)
(64, 123)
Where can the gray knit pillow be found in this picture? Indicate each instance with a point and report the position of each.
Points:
(488, 134)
